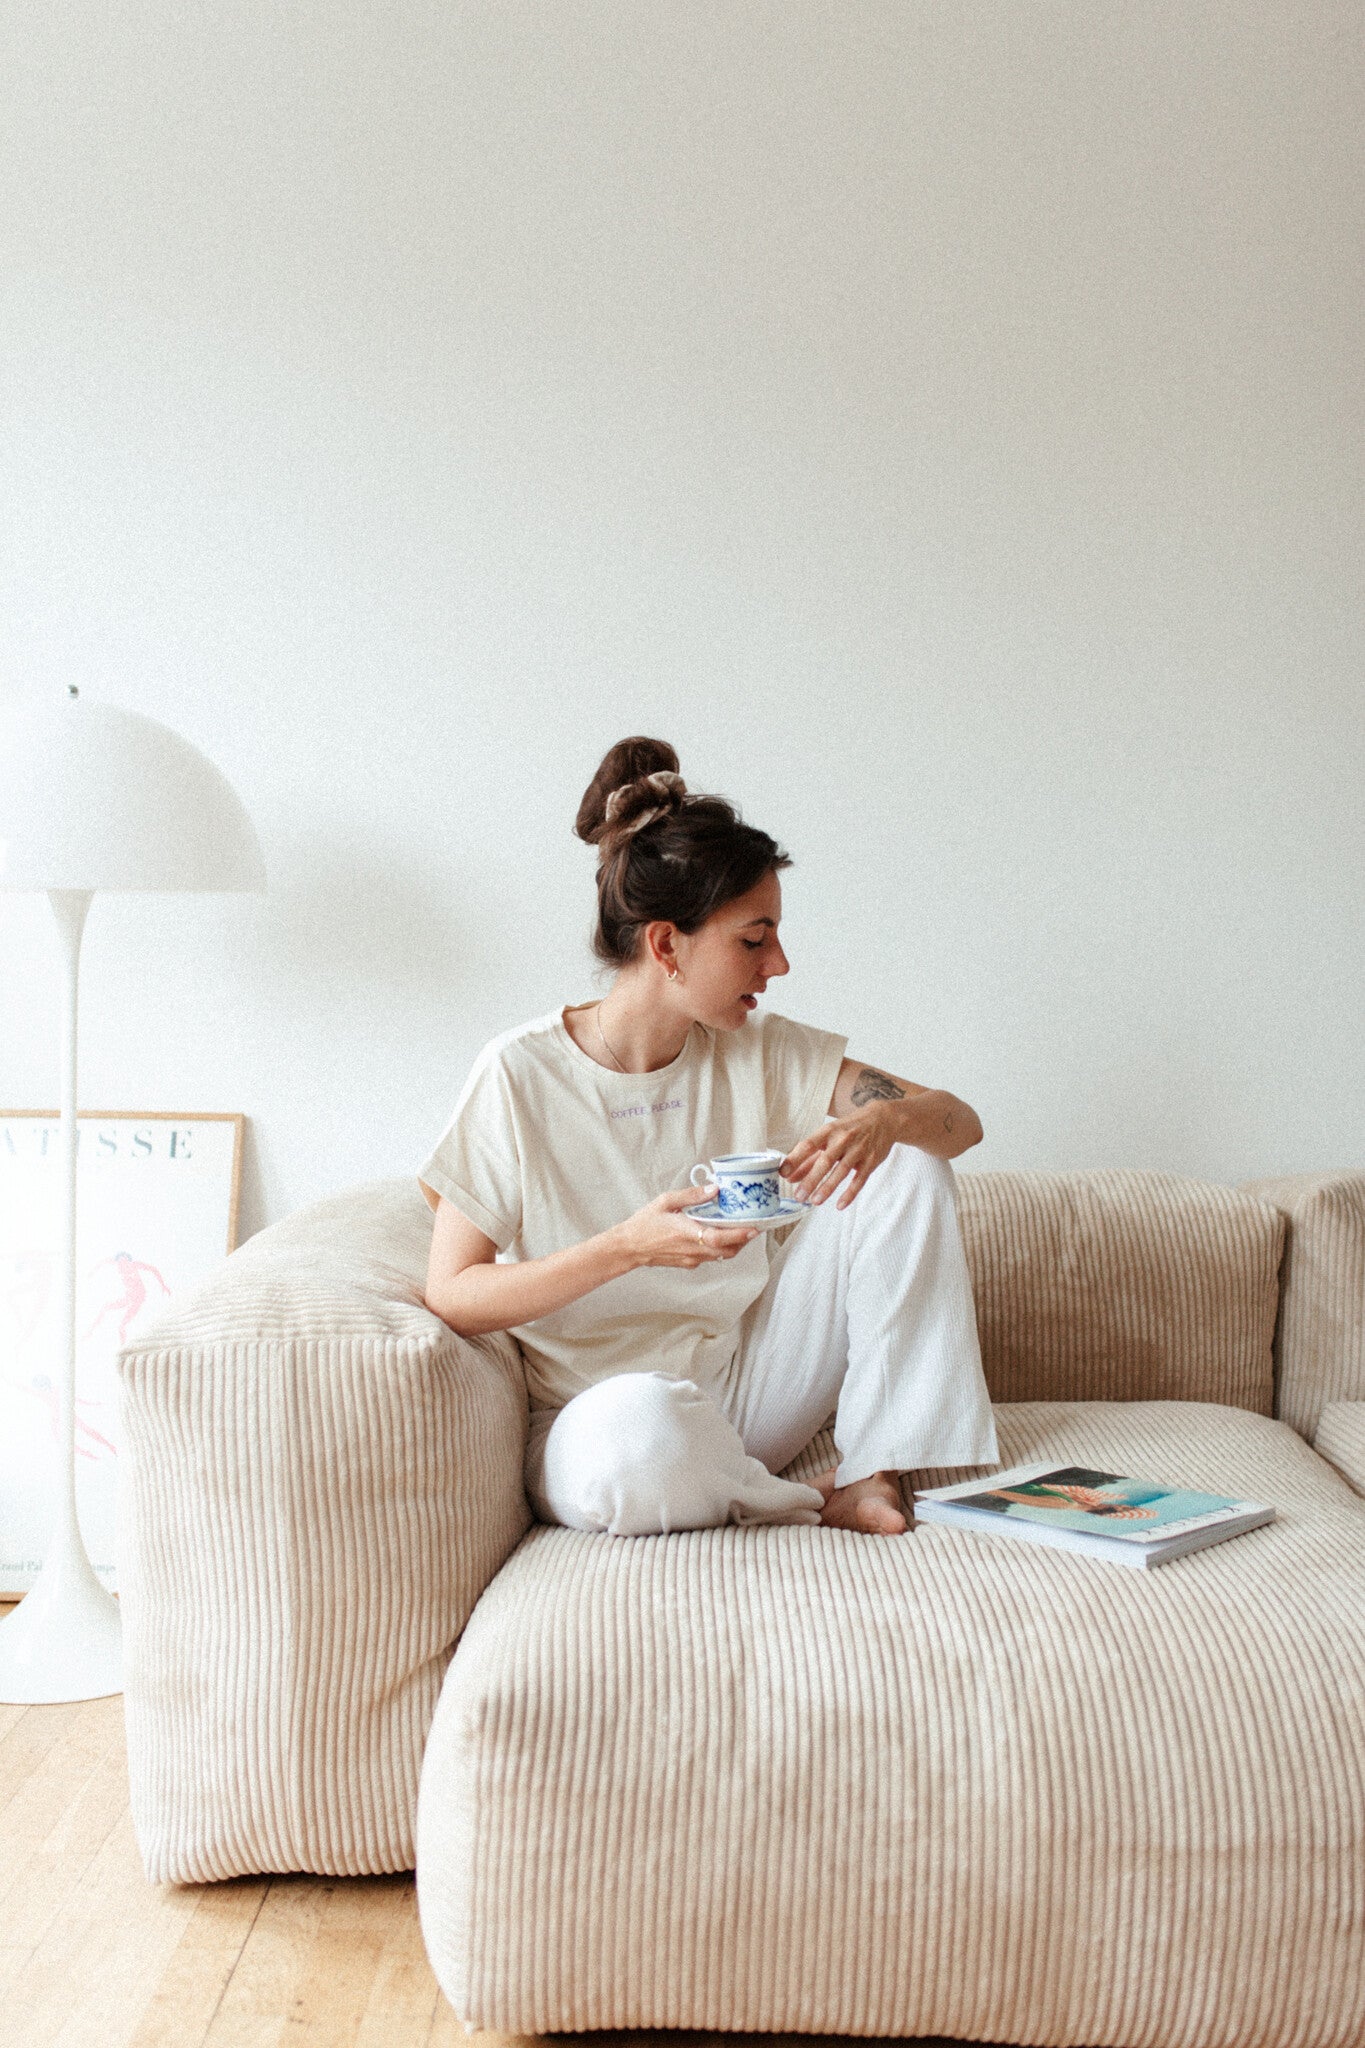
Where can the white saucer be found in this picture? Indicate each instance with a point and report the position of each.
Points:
(788, 1212)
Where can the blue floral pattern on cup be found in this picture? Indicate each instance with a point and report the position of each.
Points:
(747, 1184)
(757, 1197)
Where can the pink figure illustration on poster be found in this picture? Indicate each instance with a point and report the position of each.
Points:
(26, 1294)
(134, 1293)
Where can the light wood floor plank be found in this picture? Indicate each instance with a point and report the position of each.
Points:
(36, 1732)
(405, 1994)
(308, 1969)
(447, 2031)
(38, 1872)
(9, 1713)
(191, 1987)
(87, 1982)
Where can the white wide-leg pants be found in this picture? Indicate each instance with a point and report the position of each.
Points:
(867, 1313)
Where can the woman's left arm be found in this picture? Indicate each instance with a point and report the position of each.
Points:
(873, 1111)
(928, 1117)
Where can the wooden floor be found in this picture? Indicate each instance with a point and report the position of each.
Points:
(90, 1953)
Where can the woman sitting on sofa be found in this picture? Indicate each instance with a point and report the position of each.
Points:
(674, 1368)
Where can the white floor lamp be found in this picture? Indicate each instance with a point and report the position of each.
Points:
(94, 797)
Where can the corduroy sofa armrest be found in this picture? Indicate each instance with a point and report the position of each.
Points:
(319, 1479)
(1320, 1328)
(1340, 1438)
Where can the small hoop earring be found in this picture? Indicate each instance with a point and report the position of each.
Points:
(672, 973)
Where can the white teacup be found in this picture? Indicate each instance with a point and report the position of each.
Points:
(746, 1183)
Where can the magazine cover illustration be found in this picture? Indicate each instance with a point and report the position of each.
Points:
(1072, 1498)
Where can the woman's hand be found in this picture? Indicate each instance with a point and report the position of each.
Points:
(853, 1145)
(663, 1234)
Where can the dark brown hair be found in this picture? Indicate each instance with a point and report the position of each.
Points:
(663, 852)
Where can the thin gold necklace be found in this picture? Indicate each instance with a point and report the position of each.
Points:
(597, 1014)
(597, 1018)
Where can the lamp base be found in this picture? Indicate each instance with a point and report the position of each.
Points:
(64, 1640)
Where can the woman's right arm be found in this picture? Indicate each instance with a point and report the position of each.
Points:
(474, 1295)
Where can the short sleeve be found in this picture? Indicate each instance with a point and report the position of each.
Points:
(476, 1163)
(800, 1067)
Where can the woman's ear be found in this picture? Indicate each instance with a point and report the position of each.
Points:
(661, 941)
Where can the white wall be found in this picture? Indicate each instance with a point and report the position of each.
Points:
(942, 422)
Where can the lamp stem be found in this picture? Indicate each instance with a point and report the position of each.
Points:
(69, 907)
(63, 1641)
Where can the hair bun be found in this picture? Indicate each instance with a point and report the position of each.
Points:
(654, 794)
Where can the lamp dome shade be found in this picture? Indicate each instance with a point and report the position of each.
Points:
(96, 797)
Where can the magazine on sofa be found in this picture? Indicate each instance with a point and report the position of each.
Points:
(1132, 1521)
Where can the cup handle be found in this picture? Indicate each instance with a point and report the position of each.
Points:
(705, 1173)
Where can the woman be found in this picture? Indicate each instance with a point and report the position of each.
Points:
(675, 1368)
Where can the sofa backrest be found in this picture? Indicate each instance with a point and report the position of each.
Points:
(1122, 1284)
(1320, 1332)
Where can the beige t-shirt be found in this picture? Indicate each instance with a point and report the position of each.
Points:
(546, 1148)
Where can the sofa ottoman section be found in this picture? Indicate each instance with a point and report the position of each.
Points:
(320, 1477)
(942, 1785)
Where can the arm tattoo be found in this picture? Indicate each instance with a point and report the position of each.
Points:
(872, 1086)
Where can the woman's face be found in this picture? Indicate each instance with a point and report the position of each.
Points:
(725, 966)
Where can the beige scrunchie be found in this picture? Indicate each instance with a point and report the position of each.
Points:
(665, 784)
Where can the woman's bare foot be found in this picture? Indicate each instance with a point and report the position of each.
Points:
(871, 1505)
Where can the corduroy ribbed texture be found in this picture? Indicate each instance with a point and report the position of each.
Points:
(1320, 1333)
(1340, 1438)
(319, 1479)
(1122, 1285)
(800, 1780)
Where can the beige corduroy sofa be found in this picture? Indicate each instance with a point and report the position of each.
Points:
(784, 1779)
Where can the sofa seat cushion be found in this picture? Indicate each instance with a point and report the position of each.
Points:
(803, 1780)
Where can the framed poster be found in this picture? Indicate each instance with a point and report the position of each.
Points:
(156, 1210)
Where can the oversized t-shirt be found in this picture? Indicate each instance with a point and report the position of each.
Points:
(546, 1148)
